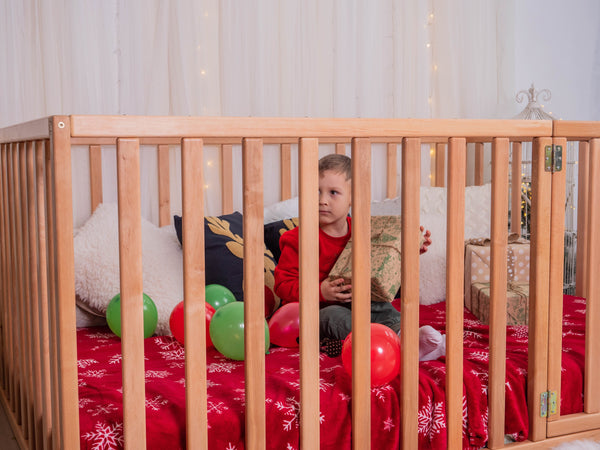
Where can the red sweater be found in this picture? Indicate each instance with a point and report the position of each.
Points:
(287, 277)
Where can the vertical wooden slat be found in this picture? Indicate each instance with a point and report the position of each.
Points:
(34, 318)
(340, 148)
(227, 178)
(582, 267)
(285, 163)
(411, 168)
(132, 320)
(392, 167)
(57, 424)
(361, 293)
(194, 295)
(478, 163)
(14, 226)
(537, 374)
(67, 338)
(24, 314)
(4, 248)
(515, 190)
(591, 396)
(7, 340)
(498, 280)
(557, 257)
(309, 288)
(95, 152)
(254, 315)
(457, 150)
(164, 186)
(46, 387)
(440, 164)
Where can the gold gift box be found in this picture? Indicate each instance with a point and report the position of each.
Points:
(517, 302)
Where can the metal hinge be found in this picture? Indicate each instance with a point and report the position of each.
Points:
(553, 158)
(548, 403)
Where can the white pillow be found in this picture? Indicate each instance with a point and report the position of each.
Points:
(96, 246)
(285, 209)
(432, 282)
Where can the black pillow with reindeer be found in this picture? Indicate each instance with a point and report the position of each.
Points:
(224, 253)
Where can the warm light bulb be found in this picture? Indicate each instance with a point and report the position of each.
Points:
(209, 163)
(203, 72)
(428, 45)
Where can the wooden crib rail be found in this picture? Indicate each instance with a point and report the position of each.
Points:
(36, 230)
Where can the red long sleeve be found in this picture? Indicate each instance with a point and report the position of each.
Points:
(287, 277)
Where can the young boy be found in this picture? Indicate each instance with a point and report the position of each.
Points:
(335, 316)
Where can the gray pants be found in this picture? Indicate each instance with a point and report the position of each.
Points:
(335, 321)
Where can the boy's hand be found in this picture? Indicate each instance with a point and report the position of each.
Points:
(426, 242)
(336, 290)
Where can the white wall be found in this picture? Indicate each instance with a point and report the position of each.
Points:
(557, 47)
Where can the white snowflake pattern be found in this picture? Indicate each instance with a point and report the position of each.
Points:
(344, 397)
(83, 363)
(381, 392)
(290, 447)
(83, 402)
(105, 436)
(388, 424)
(284, 370)
(218, 407)
(176, 354)
(324, 385)
(157, 374)
(227, 367)
(103, 410)
(231, 447)
(290, 408)
(115, 359)
(170, 343)
(431, 418)
(480, 356)
(156, 403)
(176, 364)
(294, 384)
(520, 331)
(95, 373)
(465, 420)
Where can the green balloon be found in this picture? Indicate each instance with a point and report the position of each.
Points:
(113, 315)
(227, 331)
(218, 295)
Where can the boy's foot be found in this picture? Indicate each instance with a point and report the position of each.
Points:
(331, 347)
(432, 343)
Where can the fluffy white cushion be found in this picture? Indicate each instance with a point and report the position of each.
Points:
(285, 209)
(96, 246)
(432, 286)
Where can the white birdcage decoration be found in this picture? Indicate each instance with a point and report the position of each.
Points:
(535, 111)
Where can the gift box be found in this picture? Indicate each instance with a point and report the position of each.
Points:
(477, 262)
(385, 258)
(517, 302)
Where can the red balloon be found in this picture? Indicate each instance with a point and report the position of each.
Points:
(385, 354)
(176, 322)
(284, 325)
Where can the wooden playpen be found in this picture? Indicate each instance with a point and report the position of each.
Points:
(38, 372)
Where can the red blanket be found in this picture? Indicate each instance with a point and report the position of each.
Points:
(100, 391)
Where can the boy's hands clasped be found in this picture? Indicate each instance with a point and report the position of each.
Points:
(336, 290)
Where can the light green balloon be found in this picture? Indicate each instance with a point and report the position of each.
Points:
(113, 315)
(227, 331)
(217, 295)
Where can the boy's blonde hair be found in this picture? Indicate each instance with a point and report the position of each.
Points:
(336, 163)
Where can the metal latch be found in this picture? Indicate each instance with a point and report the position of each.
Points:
(553, 158)
(552, 403)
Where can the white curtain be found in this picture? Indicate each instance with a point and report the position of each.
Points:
(317, 58)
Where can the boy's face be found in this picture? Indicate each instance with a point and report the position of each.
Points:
(335, 195)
